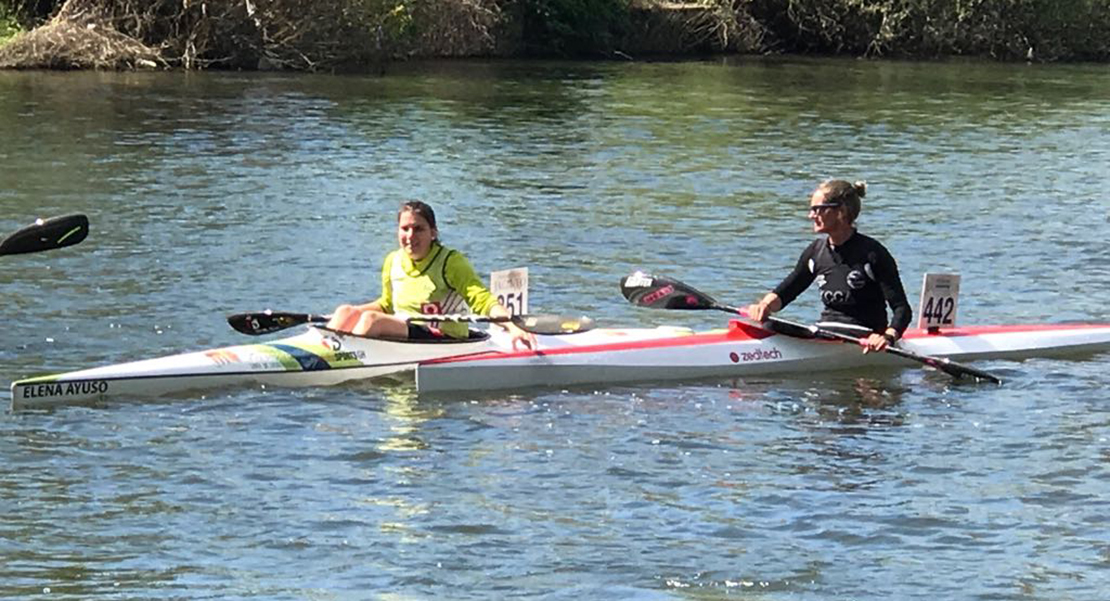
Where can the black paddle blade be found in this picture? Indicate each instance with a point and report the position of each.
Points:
(47, 234)
(959, 370)
(660, 292)
(553, 325)
(267, 322)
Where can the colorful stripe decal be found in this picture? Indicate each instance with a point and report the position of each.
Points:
(308, 361)
(335, 358)
(67, 235)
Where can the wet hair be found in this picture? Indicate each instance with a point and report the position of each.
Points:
(847, 194)
(421, 208)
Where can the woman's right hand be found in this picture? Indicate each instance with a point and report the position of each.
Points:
(757, 312)
(764, 308)
(521, 338)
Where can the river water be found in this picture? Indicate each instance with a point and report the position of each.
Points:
(213, 193)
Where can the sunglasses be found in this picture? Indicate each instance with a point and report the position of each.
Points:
(822, 207)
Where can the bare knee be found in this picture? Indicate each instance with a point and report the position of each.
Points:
(365, 324)
(341, 317)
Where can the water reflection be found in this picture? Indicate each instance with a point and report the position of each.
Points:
(405, 417)
(864, 402)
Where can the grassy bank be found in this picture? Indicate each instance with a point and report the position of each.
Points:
(329, 35)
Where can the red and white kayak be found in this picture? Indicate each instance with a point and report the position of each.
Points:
(741, 350)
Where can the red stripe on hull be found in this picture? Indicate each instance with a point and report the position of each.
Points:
(738, 331)
(1007, 329)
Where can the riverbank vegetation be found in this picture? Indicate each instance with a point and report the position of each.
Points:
(9, 25)
(367, 34)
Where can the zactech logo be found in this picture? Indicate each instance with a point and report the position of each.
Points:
(756, 355)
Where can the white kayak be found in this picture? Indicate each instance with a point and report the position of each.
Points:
(741, 350)
(316, 357)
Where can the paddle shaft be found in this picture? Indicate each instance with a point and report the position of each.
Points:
(266, 322)
(941, 363)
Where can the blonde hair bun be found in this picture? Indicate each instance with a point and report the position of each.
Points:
(861, 188)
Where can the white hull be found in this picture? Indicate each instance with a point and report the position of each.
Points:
(743, 350)
(316, 357)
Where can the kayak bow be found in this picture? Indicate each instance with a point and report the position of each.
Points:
(316, 357)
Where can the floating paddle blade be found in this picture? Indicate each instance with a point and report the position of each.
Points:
(267, 322)
(553, 325)
(47, 234)
(660, 292)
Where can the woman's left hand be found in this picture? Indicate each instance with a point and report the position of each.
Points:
(874, 343)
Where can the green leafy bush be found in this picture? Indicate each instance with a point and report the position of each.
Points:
(8, 28)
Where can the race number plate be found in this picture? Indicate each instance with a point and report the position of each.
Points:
(940, 294)
(511, 289)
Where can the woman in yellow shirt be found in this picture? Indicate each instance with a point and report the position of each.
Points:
(423, 277)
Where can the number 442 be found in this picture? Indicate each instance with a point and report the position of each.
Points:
(938, 310)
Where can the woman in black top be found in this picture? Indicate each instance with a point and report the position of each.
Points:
(857, 276)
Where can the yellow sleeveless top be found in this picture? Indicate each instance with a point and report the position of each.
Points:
(441, 283)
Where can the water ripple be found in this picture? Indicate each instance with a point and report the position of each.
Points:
(218, 193)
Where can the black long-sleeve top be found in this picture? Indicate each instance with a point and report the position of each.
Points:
(857, 280)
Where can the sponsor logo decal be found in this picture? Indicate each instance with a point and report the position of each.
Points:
(638, 280)
(33, 391)
(222, 357)
(264, 365)
(335, 345)
(658, 294)
(856, 279)
(756, 355)
(349, 356)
